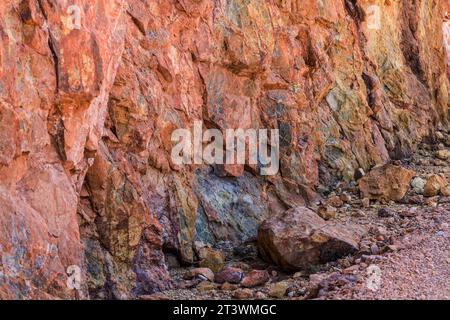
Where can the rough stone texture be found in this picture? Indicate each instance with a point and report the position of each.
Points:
(299, 238)
(86, 116)
(386, 183)
(446, 32)
(255, 278)
(435, 185)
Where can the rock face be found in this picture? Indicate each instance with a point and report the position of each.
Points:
(446, 32)
(299, 238)
(90, 92)
(386, 183)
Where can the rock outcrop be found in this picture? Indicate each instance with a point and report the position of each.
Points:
(90, 92)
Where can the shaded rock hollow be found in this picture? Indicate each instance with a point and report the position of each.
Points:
(86, 116)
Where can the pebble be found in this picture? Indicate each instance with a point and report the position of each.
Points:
(385, 213)
(229, 274)
(365, 202)
(255, 278)
(229, 286)
(206, 273)
(278, 290)
(243, 294)
(374, 249)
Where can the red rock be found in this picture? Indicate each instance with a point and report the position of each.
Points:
(255, 278)
(243, 294)
(230, 275)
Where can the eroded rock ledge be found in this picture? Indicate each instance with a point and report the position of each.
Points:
(86, 116)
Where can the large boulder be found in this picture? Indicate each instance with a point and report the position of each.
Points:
(388, 182)
(299, 238)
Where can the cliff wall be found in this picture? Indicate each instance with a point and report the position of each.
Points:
(90, 92)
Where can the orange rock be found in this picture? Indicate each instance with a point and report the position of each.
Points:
(386, 183)
(435, 185)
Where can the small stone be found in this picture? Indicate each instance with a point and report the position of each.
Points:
(365, 202)
(255, 278)
(335, 202)
(344, 263)
(439, 136)
(198, 272)
(260, 295)
(431, 202)
(374, 249)
(443, 154)
(278, 290)
(155, 296)
(408, 213)
(392, 248)
(229, 286)
(327, 213)
(385, 213)
(351, 270)
(210, 258)
(205, 286)
(418, 185)
(359, 213)
(315, 283)
(229, 274)
(434, 185)
(243, 294)
(346, 198)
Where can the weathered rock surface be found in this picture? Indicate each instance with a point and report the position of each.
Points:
(386, 183)
(255, 278)
(230, 275)
(435, 185)
(299, 238)
(88, 104)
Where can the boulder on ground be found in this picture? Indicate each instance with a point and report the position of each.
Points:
(388, 183)
(299, 238)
